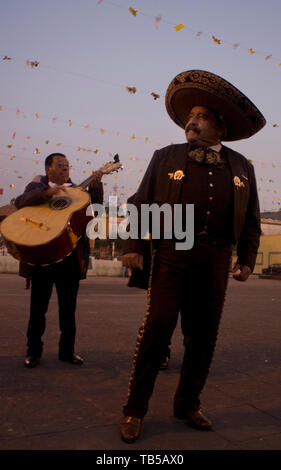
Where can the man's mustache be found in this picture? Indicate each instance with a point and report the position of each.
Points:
(192, 127)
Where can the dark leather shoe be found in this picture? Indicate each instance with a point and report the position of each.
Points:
(195, 419)
(31, 361)
(73, 359)
(130, 428)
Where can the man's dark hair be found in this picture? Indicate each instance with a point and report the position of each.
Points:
(49, 158)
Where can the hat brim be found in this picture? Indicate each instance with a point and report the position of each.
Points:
(201, 88)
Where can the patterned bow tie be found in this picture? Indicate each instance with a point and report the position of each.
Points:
(206, 156)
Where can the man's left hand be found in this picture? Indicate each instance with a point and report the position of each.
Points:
(243, 272)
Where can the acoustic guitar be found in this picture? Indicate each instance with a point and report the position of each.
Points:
(47, 233)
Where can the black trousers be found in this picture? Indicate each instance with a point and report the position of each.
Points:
(193, 282)
(65, 277)
(184, 329)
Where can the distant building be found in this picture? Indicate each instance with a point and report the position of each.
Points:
(270, 243)
(273, 215)
(270, 226)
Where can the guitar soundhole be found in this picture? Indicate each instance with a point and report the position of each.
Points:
(60, 202)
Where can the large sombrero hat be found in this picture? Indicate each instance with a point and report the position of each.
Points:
(201, 88)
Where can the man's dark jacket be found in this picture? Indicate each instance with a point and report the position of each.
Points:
(158, 187)
(34, 195)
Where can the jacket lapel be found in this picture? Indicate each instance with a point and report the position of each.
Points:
(176, 174)
(240, 193)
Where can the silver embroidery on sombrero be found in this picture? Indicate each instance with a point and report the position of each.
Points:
(201, 88)
(142, 327)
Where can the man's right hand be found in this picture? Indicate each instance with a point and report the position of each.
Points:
(132, 260)
(50, 192)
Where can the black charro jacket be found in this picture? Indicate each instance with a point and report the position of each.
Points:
(158, 187)
(33, 195)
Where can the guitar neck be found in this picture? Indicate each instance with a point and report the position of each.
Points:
(105, 170)
(86, 182)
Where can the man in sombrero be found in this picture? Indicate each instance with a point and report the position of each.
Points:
(221, 184)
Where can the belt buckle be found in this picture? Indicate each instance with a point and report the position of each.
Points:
(203, 239)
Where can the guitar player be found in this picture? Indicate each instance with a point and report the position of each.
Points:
(65, 275)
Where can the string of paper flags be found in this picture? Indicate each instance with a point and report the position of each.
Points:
(80, 148)
(132, 90)
(13, 154)
(180, 26)
(70, 123)
(87, 127)
(34, 63)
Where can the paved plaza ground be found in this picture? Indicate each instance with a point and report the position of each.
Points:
(59, 406)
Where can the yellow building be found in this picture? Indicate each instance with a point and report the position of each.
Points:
(270, 245)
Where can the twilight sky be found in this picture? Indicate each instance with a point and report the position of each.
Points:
(75, 100)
